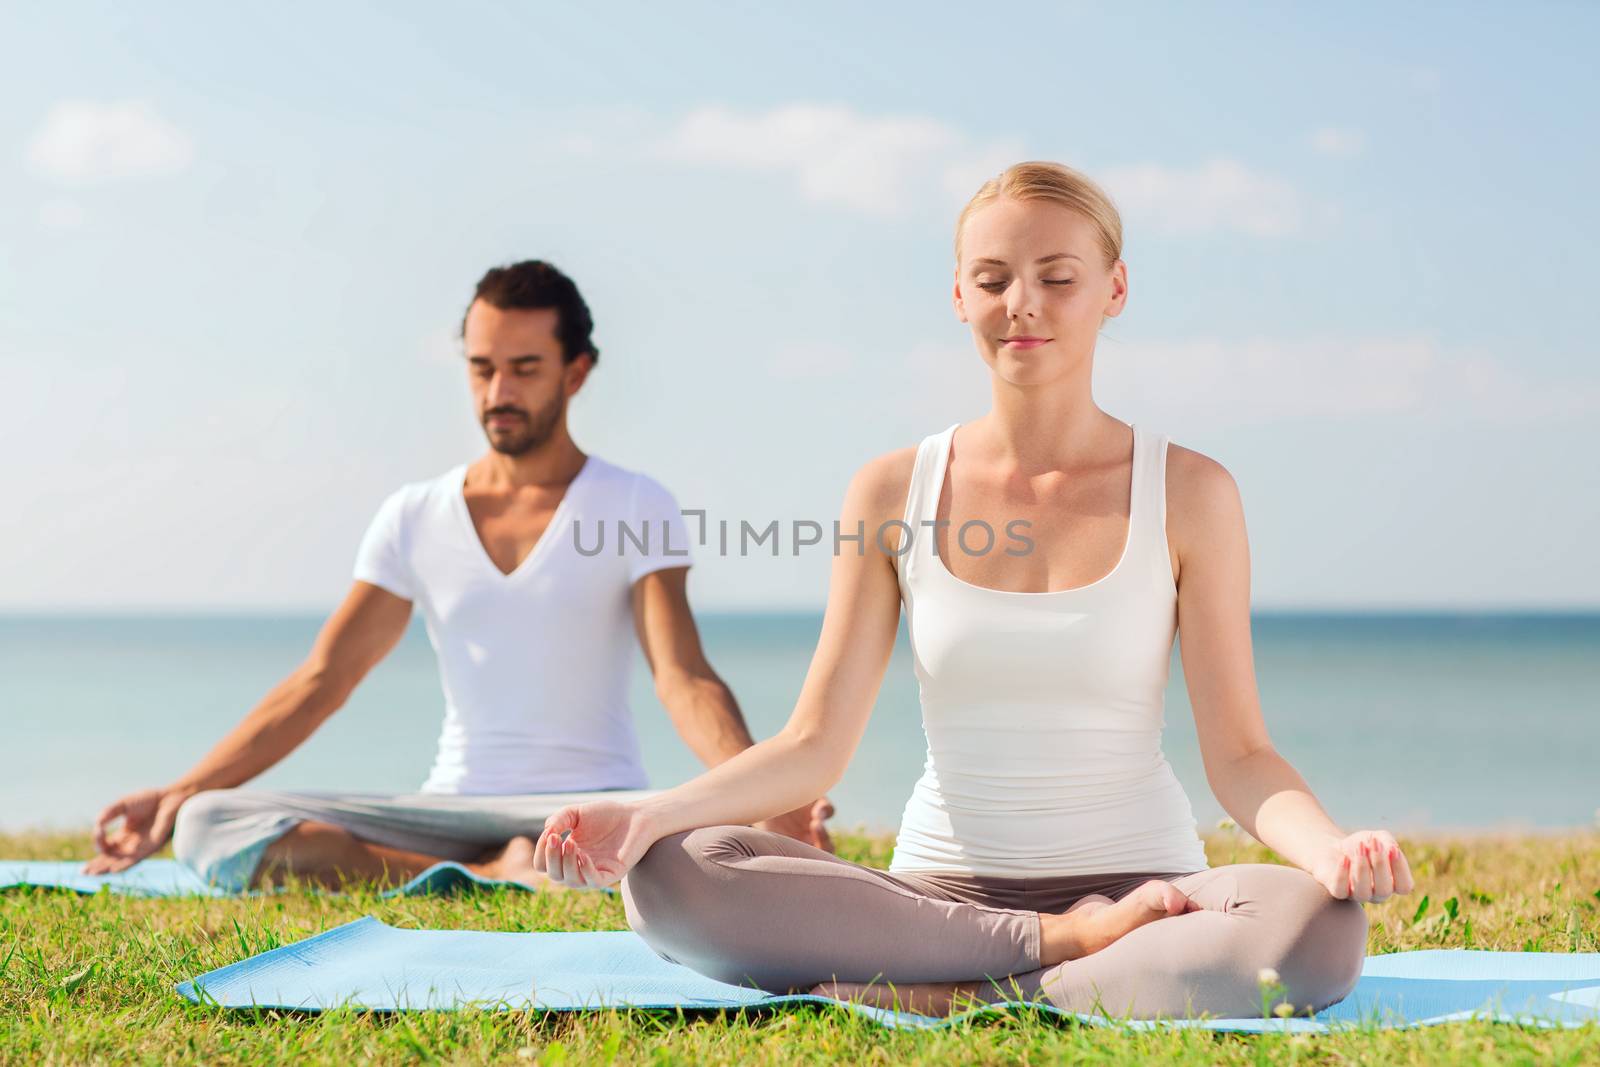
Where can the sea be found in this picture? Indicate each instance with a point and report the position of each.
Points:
(1415, 722)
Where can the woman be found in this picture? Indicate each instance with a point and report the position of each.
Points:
(1048, 850)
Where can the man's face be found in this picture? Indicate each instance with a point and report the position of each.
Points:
(520, 385)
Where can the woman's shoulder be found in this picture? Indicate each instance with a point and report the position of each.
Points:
(879, 486)
(1203, 501)
(876, 496)
(1192, 471)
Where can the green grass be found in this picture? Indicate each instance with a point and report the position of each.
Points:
(86, 980)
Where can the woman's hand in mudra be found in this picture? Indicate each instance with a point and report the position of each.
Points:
(591, 845)
(1366, 865)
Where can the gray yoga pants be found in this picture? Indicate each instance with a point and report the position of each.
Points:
(752, 907)
(221, 834)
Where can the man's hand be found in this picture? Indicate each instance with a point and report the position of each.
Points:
(147, 817)
(804, 824)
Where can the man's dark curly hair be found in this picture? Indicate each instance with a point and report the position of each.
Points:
(532, 284)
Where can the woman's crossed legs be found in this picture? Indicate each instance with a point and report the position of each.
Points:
(752, 907)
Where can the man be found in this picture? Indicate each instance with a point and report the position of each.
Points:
(533, 631)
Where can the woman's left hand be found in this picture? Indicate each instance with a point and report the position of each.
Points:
(1367, 865)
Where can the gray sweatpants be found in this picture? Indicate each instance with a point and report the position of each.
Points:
(220, 834)
(749, 906)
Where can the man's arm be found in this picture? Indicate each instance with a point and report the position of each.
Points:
(360, 632)
(701, 705)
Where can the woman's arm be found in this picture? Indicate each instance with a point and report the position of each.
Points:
(1254, 784)
(804, 759)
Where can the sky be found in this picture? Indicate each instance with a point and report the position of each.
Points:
(235, 245)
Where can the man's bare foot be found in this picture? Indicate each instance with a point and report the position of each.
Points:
(514, 863)
(1095, 922)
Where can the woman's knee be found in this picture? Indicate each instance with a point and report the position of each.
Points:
(676, 899)
(1323, 941)
(695, 855)
(671, 882)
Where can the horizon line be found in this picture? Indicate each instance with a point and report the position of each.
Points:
(26, 612)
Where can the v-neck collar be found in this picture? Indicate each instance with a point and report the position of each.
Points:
(459, 501)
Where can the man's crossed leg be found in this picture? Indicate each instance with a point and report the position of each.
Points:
(242, 838)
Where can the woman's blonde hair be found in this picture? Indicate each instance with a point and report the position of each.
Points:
(1036, 180)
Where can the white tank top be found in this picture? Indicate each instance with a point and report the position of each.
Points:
(1043, 711)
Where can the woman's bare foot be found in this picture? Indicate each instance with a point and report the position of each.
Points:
(1092, 902)
(1088, 926)
(514, 863)
(918, 998)
(1095, 922)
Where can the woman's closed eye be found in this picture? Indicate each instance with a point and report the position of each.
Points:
(995, 287)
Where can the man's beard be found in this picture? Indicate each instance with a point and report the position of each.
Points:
(535, 430)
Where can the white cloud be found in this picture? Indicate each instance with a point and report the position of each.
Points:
(59, 213)
(1253, 380)
(1221, 194)
(873, 164)
(1262, 379)
(1272, 378)
(809, 359)
(1332, 141)
(890, 165)
(1492, 388)
(88, 141)
(1425, 79)
(877, 165)
(963, 176)
(835, 154)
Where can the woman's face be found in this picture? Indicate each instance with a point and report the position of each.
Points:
(1034, 286)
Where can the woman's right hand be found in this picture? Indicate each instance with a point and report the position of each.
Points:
(606, 839)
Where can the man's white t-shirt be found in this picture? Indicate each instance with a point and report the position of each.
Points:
(535, 664)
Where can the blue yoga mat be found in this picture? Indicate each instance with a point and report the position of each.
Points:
(168, 878)
(366, 964)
